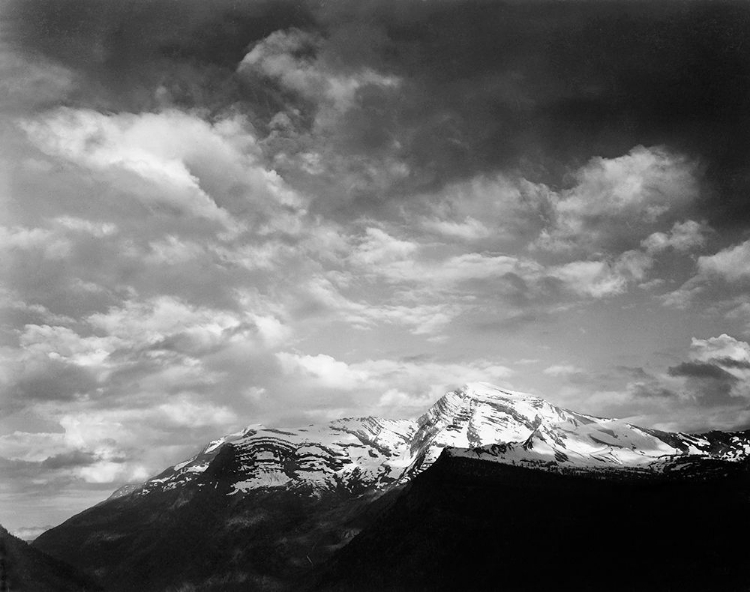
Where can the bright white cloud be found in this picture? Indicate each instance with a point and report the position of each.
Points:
(138, 323)
(684, 236)
(288, 57)
(39, 239)
(602, 278)
(95, 229)
(322, 370)
(615, 199)
(378, 248)
(730, 353)
(58, 342)
(732, 263)
(469, 229)
(383, 385)
(420, 318)
(32, 446)
(563, 370)
(210, 171)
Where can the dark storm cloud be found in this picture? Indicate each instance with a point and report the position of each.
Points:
(538, 87)
(701, 370)
(126, 49)
(733, 363)
(710, 384)
(52, 380)
(505, 85)
(643, 384)
(20, 473)
(651, 389)
(66, 460)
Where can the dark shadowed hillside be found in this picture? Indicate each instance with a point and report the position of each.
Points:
(203, 537)
(470, 525)
(25, 569)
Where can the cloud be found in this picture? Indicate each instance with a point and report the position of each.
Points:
(684, 236)
(290, 58)
(718, 370)
(731, 264)
(49, 380)
(467, 104)
(175, 155)
(34, 239)
(710, 384)
(95, 229)
(323, 370)
(384, 385)
(563, 370)
(723, 350)
(616, 199)
(422, 318)
(705, 390)
(602, 278)
(469, 229)
(378, 248)
(32, 80)
(700, 370)
(74, 458)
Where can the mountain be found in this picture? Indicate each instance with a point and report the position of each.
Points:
(25, 569)
(353, 455)
(263, 507)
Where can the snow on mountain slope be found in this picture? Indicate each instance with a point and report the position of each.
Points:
(478, 420)
(345, 453)
(529, 430)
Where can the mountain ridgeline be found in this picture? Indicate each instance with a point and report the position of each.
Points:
(25, 569)
(454, 500)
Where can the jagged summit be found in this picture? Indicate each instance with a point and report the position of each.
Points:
(486, 391)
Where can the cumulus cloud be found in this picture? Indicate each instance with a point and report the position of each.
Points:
(378, 247)
(176, 153)
(729, 268)
(603, 278)
(291, 59)
(717, 371)
(616, 199)
(684, 236)
(34, 239)
(731, 264)
(723, 350)
(384, 385)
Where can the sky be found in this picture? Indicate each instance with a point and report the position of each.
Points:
(214, 214)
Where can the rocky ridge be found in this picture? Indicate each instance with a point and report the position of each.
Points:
(478, 420)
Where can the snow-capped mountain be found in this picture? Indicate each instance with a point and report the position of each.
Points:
(478, 420)
(265, 506)
(346, 454)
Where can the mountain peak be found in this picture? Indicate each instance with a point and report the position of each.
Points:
(478, 419)
(489, 393)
